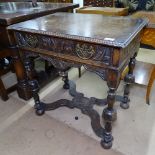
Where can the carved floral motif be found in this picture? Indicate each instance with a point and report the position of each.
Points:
(31, 40)
(84, 51)
(98, 53)
(27, 40)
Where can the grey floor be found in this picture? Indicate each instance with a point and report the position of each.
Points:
(57, 132)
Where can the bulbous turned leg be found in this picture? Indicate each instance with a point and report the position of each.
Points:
(109, 115)
(39, 106)
(106, 142)
(64, 75)
(30, 70)
(34, 86)
(129, 79)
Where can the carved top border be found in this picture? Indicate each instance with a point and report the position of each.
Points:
(114, 43)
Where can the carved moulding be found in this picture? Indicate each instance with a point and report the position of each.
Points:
(100, 72)
(63, 65)
(98, 53)
(84, 51)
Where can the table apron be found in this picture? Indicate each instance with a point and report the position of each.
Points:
(93, 56)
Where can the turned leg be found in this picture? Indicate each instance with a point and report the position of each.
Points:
(129, 79)
(64, 75)
(48, 67)
(22, 85)
(79, 69)
(30, 70)
(109, 115)
(39, 106)
(33, 86)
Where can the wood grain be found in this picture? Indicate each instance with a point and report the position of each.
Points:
(103, 11)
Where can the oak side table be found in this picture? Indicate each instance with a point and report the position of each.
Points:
(102, 45)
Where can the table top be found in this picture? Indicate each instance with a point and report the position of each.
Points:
(107, 30)
(146, 14)
(14, 12)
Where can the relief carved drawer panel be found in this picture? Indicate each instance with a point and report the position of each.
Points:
(58, 46)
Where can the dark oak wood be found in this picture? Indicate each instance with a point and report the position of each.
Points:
(110, 32)
(111, 11)
(14, 12)
(102, 44)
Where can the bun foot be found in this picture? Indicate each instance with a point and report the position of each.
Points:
(66, 86)
(124, 105)
(106, 145)
(40, 112)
